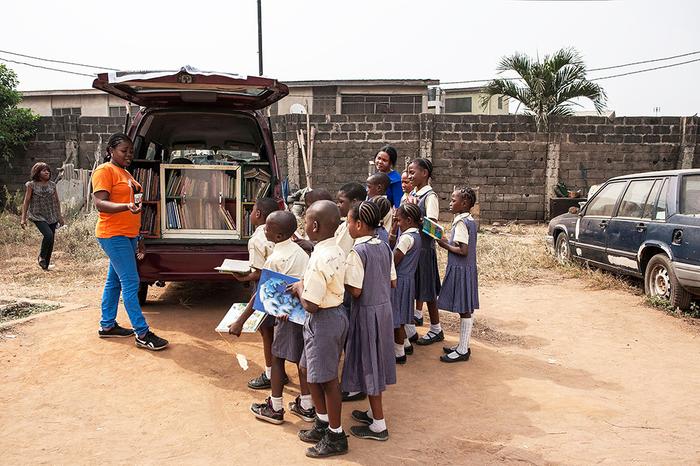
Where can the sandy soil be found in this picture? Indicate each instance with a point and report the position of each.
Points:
(559, 374)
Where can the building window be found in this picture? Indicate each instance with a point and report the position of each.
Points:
(324, 100)
(120, 110)
(65, 111)
(377, 103)
(500, 102)
(458, 105)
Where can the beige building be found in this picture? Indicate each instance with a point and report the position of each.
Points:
(466, 101)
(356, 96)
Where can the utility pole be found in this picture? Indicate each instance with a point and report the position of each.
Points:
(260, 52)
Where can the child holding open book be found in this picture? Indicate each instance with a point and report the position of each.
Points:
(259, 249)
(325, 329)
(460, 289)
(288, 343)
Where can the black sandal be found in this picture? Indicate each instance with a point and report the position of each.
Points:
(461, 357)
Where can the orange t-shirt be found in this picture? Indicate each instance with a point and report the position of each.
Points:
(115, 180)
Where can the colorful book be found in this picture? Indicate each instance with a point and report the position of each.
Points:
(273, 298)
(432, 229)
(251, 325)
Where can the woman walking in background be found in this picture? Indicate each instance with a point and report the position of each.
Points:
(42, 207)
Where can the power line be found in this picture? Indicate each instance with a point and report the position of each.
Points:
(47, 67)
(593, 69)
(645, 70)
(59, 61)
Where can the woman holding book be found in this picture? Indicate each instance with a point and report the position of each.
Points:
(117, 197)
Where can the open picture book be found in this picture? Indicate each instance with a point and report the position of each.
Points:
(251, 325)
(233, 266)
(273, 298)
(432, 229)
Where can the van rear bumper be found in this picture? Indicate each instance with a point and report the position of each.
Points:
(187, 262)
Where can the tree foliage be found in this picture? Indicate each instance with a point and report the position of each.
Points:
(546, 87)
(17, 125)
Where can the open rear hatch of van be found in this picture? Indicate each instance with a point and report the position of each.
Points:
(191, 86)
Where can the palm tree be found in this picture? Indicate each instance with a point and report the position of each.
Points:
(546, 88)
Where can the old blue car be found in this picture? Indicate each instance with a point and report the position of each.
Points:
(645, 225)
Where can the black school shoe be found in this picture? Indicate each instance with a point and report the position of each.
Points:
(115, 332)
(264, 412)
(151, 341)
(366, 433)
(362, 416)
(417, 321)
(401, 359)
(414, 338)
(308, 415)
(356, 397)
(316, 433)
(461, 357)
(261, 382)
(408, 349)
(430, 338)
(331, 444)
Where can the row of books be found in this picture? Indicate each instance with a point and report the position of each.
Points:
(149, 220)
(256, 183)
(148, 178)
(247, 226)
(198, 215)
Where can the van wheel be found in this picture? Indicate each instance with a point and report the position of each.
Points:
(562, 249)
(143, 292)
(660, 281)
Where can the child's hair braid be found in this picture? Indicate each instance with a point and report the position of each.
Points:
(425, 164)
(468, 194)
(368, 213)
(411, 211)
(383, 203)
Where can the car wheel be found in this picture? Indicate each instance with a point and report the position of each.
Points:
(660, 281)
(562, 250)
(143, 293)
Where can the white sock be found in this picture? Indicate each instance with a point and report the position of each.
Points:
(378, 425)
(418, 313)
(276, 403)
(465, 330)
(335, 430)
(406, 344)
(436, 328)
(410, 330)
(268, 372)
(369, 412)
(322, 417)
(353, 393)
(399, 350)
(306, 402)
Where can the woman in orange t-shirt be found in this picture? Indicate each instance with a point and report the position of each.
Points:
(117, 198)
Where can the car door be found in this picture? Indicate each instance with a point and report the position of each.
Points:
(627, 229)
(190, 86)
(686, 237)
(591, 230)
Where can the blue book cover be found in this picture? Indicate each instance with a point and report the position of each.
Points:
(272, 297)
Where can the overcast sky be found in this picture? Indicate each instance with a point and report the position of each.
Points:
(440, 39)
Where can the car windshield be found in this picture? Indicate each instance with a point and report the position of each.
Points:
(690, 195)
(212, 157)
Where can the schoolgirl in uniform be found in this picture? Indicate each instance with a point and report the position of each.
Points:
(370, 363)
(460, 289)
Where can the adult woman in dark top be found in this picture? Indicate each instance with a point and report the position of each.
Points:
(42, 207)
(385, 161)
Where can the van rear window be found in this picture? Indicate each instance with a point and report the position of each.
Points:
(690, 195)
(212, 157)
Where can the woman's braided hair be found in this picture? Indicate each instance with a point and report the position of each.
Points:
(411, 211)
(114, 141)
(468, 194)
(368, 213)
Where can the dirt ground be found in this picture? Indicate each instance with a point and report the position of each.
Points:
(559, 374)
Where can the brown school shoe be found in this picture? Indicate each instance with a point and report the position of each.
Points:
(264, 412)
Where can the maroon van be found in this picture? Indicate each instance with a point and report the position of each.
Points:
(203, 152)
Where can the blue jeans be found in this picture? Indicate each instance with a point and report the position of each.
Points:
(121, 277)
